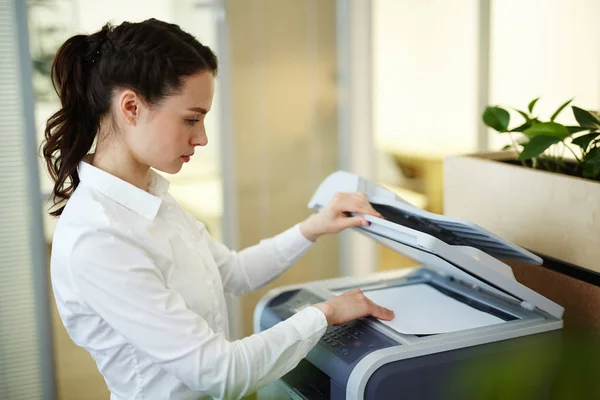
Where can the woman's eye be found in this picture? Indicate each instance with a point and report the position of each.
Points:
(192, 121)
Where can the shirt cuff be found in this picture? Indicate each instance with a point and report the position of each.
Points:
(291, 244)
(310, 323)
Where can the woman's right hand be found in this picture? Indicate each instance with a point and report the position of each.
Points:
(350, 306)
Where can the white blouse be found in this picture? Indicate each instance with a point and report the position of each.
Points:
(140, 284)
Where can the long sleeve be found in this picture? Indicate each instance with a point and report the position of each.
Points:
(257, 265)
(120, 282)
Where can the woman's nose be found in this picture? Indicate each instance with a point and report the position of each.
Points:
(200, 139)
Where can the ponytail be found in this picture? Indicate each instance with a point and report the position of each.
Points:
(71, 131)
(150, 57)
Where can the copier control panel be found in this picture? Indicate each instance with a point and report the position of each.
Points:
(348, 342)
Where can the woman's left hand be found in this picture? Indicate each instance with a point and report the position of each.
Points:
(335, 217)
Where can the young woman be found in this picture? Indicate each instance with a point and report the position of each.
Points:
(139, 283)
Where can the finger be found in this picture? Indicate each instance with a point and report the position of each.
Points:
(368, 209)
(340, 202)
(350, 222)
(382, 313)
(359, 195)
(361, 204)
(353, 202)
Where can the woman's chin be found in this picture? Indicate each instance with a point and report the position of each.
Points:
(170, 169)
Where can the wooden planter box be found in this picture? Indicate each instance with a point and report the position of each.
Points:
(548, 213)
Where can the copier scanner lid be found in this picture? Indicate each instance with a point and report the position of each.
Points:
(451, 246)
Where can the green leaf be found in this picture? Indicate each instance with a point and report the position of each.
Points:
(591, 164)
(585, 140)
(593, 157)
(532, 104)
(496, 118)
(521, 128)
(553, 117)
(575, 129)
(536, 146)
(548, 129)
(591, 171)
(585, 118)
(523, 114)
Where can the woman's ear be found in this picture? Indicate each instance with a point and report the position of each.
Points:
(129, 106)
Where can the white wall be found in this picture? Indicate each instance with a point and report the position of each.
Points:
(548, 48)
(425, 67)
(425, 75)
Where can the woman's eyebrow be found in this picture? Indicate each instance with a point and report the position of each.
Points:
(199, 109)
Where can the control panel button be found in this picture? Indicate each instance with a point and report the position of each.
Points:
(344, 350)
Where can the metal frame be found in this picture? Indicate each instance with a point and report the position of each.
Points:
(227, 157)
(357, 255)
(483, 70)
(36, 227)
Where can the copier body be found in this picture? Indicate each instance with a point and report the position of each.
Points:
(368, 359)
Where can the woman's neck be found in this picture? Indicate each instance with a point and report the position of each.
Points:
(118, 161)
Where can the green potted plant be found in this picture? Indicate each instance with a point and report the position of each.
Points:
(542, 192)
(541, 144)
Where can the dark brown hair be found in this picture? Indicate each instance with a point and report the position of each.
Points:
(150, 57)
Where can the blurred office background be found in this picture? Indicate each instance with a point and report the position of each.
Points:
(382, 88)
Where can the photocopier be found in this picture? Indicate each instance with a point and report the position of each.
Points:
(459, 306)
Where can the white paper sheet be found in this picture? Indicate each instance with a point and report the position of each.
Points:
(423, 310)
